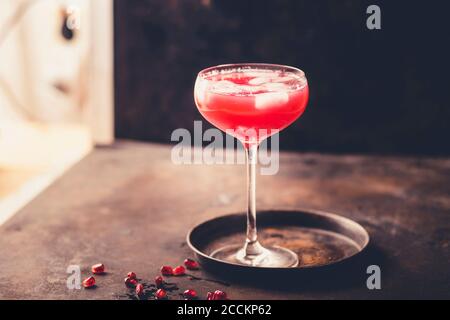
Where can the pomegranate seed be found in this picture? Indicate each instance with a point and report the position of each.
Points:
(191, 264)
(160, 294)
(131, 275)
(179, 271)
(219, 295)
(159, 281)
(166, 271)
(130, 282)
(209, 296)
(139, 289)
(98, 268)
(190, 294)
(89, 282)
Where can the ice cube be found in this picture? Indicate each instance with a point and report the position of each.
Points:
(245, 90)
(271, 99)
(275, 87)
(259, 81)
(224, 87)
(284, 79)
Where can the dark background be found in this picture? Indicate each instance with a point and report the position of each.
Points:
(382, 91)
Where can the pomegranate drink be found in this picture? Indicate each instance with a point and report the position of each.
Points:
(253, 103)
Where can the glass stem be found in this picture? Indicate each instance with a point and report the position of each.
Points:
(252, 247)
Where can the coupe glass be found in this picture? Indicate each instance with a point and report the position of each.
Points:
(252, 102)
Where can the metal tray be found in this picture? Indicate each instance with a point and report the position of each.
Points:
(322, 240)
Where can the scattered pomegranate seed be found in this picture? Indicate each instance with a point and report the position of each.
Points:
(190, 294)
(130, 282)
(191, 264)
(89, 282)
(159, 281)
(139, 289)
(160, 294)
(219, 295)
(216, 295)
(131, 275)
(179, 271)
(166, 271)
(98, 268)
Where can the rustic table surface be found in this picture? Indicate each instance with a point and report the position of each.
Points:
(129, 207)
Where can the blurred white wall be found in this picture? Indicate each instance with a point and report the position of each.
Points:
(45, 74)
(56, 92)
(11, 66)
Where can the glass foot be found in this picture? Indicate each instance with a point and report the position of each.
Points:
(270, 257)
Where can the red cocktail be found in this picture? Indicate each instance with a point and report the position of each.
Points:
(252, 102)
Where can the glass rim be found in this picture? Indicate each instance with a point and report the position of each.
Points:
(275, 66)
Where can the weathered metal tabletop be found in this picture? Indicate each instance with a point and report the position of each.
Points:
(130, 207)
